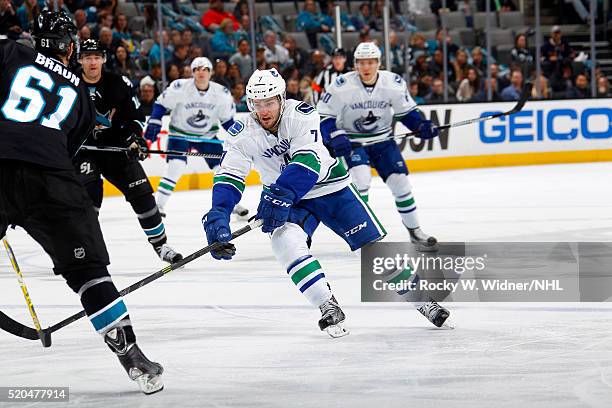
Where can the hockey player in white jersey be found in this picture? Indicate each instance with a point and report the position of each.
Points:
(303, 186)
(361, 106)
(198, 105)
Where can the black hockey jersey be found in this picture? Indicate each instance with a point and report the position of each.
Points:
(118, 113)
(45, 110)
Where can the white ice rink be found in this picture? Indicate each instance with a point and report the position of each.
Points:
(239, 334)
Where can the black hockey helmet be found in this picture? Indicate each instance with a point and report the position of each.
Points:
(91, 46)
(53, 31)
(339, 52)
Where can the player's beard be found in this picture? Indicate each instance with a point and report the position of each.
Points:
(274, 128)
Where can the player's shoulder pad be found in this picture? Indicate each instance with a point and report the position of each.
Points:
(298, 111)
(127, 81)
(392, 79)
(340, 81)
(218, 87)
(117, 82)
(304, 108)
(178, 84)
(236, 128)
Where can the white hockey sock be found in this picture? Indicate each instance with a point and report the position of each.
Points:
(290, 248)
(307, 275)
(174, 171)
(407, 286)
(362, 178)
(404, 200)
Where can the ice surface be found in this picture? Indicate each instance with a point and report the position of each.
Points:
(238, 334)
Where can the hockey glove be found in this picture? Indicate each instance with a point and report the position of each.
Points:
(153, 129)
(137, 147)
(341, 145)
(216, 225)
(274, 207)
(427, 130)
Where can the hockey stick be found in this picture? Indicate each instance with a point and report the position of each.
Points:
(45, 339)
(202, 140)
(517, 108)
(11, 326)
(166, 152)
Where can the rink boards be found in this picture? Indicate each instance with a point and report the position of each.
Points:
(561, 131)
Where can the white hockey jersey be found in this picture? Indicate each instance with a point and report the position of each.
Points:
(196, 114)
(364, 115)
(298, 141)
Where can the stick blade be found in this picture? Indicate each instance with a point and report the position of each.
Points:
(45, 337)
(17, 329)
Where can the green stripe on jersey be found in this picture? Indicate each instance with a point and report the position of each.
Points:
(337, 171)
(401, 114)
(309, 160)
(363, 135)
(224, 179)
(213, 129)
(305, 271)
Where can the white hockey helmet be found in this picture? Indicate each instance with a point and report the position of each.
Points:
(264, 84)
(367, 50)
(201, 62)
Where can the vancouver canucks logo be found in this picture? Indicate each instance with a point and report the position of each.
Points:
(199, 120)
(366, 124)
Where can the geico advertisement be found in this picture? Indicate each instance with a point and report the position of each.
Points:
(544, 126)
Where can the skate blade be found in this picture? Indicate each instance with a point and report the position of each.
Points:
(150, 384)
(337, 330)
(448, 324)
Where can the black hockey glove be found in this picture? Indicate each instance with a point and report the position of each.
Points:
(137, 147)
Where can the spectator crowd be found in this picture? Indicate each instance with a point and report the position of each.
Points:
(222, 33)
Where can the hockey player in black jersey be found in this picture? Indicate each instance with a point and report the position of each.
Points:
(45, 114)
(119, 122)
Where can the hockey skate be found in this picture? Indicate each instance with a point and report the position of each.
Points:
(167, 254)
(434, 313)
(332, 319)
(422, 241)
(241, 212)
(139, 368)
